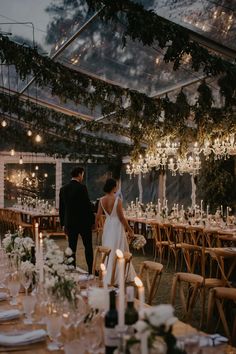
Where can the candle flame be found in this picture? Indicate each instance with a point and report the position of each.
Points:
(119, 254)
(138, 282)
(103, 267)
(40, 235)
(36, 224)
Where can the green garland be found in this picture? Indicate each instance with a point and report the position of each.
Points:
(142, 121)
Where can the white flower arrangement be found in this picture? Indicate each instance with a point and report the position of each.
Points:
(18, 244)
(138, 242)
(58, 281)
(156, 322)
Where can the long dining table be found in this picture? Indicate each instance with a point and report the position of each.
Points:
(180, 329)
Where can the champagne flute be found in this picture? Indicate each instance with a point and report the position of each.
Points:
(26, 280)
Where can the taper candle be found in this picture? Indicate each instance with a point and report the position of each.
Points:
(139, 284)
(121, 269)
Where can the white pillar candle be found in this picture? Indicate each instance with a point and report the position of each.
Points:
(121, 270)
(144, 343)
(227, 213)
(104, 273)
(141, 295)
(36, 235)
(177, 210)
(41, 258)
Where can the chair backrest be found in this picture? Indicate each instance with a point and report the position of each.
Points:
(220, 255)
(101, 255)
(150, 273)
(127, 258)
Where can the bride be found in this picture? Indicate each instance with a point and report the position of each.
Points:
(114, 235)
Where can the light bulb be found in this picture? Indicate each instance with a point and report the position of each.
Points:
(38, 138)
(21, 160)
(4, 123)
(33, 174)
(29, 133)
(12, 152)
(36, 167)
(45, 175)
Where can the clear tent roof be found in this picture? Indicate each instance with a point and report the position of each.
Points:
(98, 49)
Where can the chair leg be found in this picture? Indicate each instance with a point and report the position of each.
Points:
(211, 303)
(223, 319)
(173, 290)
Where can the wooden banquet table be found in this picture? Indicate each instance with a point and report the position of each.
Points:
(48, 221)
(180, 329)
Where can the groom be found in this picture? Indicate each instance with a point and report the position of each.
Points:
(76, 215)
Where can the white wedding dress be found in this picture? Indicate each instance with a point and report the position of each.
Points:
(114, 237)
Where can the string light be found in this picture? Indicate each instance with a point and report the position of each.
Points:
(36, 167)
(29, 133)
(45, 175)
(38, 138)
(33, 174)
(4, 123)
(12, 152)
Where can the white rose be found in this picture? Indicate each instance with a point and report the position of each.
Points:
(68, 252)
(98, 298)
(158, 315)
(141, 326)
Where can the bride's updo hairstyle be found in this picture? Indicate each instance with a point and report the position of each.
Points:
(109, 185)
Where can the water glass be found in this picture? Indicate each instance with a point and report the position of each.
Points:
(54, 324)
(191, 344)
(14, 287)
(28, 302)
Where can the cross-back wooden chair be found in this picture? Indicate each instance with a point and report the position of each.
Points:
(127, 258)
(195, 278)
(217, 297)
(160, 241)
(101, 255)
(150, 273)
(175, 239)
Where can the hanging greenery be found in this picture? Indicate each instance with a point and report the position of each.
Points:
(216, 183)
(143, 120)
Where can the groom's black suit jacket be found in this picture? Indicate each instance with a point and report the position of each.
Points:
(75, 208)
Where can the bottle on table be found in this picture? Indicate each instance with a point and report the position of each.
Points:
(111, 321)
(131, 314)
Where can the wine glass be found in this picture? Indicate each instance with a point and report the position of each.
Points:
(54, 324)
(28, 302)
(14, 287)
(26, 280)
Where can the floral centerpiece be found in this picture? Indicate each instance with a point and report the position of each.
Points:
(155, 326)
(58, 281)
(21, 246)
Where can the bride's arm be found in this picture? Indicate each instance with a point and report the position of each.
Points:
(123, 219)
(98, 215)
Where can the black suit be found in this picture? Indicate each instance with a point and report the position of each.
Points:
(76, 215)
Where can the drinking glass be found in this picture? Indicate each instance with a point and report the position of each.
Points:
(26, 280)
(191, 344)
(54, 324)
(28, 302)
(14, 287)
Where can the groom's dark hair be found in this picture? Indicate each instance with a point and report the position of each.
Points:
(109, 185)
(77, 171)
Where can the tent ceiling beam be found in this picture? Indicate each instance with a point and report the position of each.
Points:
(43, 103)
(206, 41)
(66, 44)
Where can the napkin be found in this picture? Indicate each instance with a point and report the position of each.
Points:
(3, 296)
(83, 277)
(212, 340)
(9, 315)
(23, 338)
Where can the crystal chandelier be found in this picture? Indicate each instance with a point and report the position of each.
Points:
(137, 167)
(191, 165)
